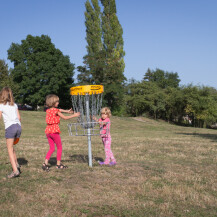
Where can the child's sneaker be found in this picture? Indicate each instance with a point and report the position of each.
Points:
(113, 163)
(101, 163)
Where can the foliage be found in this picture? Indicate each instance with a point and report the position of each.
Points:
(40, 69)
(84, 77)
(175, 104)
(92, 72)
(199, 104)
(145, 97)
(113, 47)
(6, 78)
(104, 62)
(162, 79)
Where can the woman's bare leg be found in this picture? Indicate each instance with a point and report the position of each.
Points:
(11, 153)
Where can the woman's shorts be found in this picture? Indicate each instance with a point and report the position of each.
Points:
(14, 131)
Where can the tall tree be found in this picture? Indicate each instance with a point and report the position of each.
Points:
(94, 58)
(104, 63)
(40, 69)
(114, 65)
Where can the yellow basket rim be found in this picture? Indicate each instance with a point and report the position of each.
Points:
(86, 89)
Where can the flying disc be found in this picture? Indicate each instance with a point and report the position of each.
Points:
(16, 140)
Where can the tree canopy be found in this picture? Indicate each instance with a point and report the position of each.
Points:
(40, 69)
(162, 79)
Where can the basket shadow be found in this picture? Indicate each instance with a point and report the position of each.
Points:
(76, 158)
(79, 158)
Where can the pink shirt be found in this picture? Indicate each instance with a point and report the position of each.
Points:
(53, 120)
(105, 128)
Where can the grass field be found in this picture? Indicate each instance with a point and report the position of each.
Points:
(163, 170)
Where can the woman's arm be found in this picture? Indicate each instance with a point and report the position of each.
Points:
(0, 114)
(68, 117)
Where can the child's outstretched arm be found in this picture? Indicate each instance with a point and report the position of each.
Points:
(70, 111)
(101, 123)
(68, 117)
(95, 119)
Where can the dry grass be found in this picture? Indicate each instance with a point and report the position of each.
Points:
(163, 170)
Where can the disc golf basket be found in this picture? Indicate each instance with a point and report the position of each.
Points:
(87, 100)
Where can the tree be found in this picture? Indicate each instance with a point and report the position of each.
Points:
(92, 72)
(175, 104)
(145, 97)
(114, 53)
(6, 78)
(40, 69)
(162, 79)
(84, 77)
(104, 62)
(200, 104)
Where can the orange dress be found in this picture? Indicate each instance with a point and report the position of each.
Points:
(53, 120)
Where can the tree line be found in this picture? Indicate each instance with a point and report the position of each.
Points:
(160, 96)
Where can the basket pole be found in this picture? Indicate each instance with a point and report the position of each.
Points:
(88, 133)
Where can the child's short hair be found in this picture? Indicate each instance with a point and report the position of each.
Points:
(51, 100)
(107, 111)
(6, 96)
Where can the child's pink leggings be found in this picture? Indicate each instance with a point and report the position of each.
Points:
(108, 152)
(54, 138)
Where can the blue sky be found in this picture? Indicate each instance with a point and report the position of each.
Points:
(173, 35)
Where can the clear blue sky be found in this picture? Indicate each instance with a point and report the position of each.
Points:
(173, 35)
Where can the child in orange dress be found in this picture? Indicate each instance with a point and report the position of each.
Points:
(53, 115)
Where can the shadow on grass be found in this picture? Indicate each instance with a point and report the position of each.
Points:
(53, 161)
(83, 158)
(213, 137)
(22, 161)
(78, 158)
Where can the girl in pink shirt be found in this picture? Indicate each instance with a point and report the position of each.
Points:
(105, 124)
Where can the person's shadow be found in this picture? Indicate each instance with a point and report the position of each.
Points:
(22, 161)
(76, 158)
(53, 161)
(212, 137)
